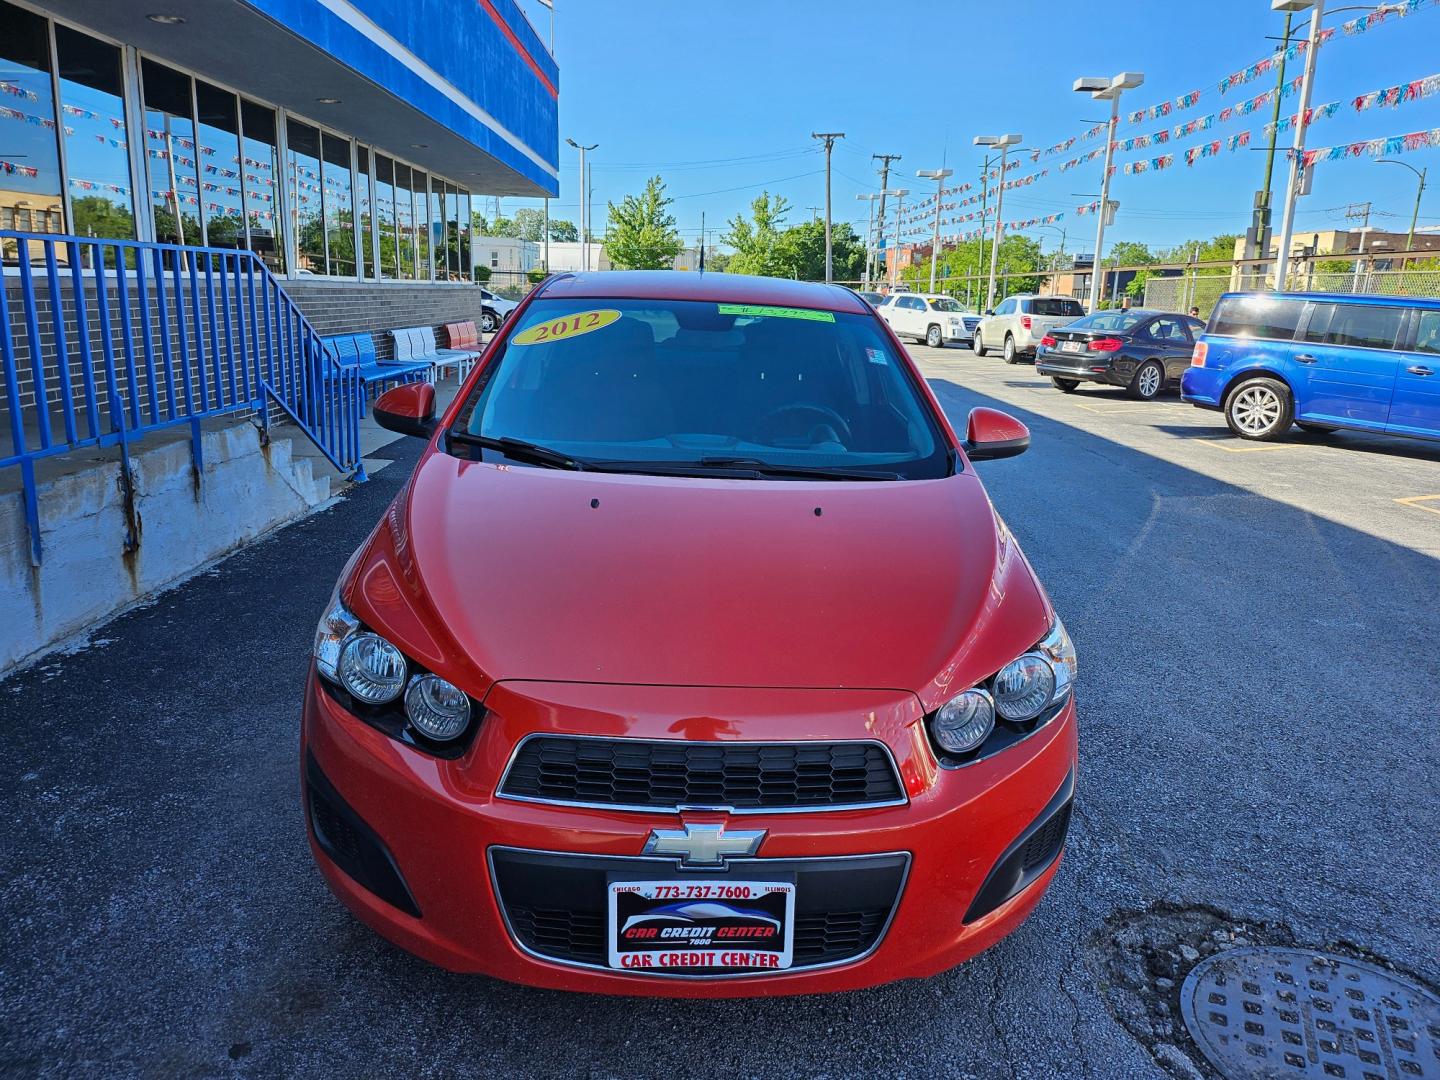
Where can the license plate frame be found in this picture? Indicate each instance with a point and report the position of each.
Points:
(1070, 346)
(729, 926)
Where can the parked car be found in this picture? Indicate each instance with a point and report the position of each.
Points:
(494, 310)
(1019, 322)
(622, 695)
(874, 299)
(1143, 351)
(933, 318)
(1325, 362)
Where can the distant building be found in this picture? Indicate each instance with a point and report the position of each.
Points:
(1343, 243)
(567, 257)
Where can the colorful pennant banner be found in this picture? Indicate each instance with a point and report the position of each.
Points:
(1394, 144)
(1319, 112)
(10, 167)
(18, 91)
(1393, 96)
(1165, 108)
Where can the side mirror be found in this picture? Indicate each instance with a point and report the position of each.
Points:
(408, 409)
(989, 311)
(992, 434)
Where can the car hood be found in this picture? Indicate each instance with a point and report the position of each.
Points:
(554, 575)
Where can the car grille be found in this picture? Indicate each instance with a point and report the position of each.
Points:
(645, 774)
(556, 904)
(970, 323)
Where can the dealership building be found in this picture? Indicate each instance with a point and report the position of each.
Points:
(342, 141)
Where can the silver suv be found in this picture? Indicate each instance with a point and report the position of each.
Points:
(1019, 322)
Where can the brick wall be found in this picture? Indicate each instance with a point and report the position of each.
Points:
(349, 307)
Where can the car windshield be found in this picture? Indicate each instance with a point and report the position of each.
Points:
(1056, 305)
(698, 387)
(946, 303)
(1108, 320)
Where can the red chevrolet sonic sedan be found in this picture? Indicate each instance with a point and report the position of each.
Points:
(692, 659)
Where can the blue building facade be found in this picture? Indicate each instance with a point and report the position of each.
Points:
(341, 139)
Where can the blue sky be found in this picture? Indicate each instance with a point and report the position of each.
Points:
(720, 100)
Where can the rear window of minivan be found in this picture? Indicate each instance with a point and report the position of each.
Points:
(1257, 317)
(1054, 305)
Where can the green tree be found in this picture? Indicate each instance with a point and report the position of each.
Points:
(718, 261)
(641, 233)
(1018, 269)
(1217, 249)
(500, 226)
(98, 216)
(800, 252)
(563, 232)
(530, 225)
(755, 240)
(1130, 253)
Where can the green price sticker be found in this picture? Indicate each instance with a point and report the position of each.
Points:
(764, 311)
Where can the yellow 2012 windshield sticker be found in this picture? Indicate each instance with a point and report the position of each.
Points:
(566, 326)
(766, 311)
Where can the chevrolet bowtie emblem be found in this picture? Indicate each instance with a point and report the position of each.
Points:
(703, 845)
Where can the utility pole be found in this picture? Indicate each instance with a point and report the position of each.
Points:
(545, 261)
(938, 175)
(984, 199)
(1297, 149)
(1419, 194)
(899, 194)
(885, 160)
(869, 237)
(584, 205)
(1259, 241)
(829, 137)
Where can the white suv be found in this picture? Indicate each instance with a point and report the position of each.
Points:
(1019, 322)
(494, 310)
(933, 318)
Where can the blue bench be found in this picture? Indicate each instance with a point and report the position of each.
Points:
(358, 351)
(416, 344)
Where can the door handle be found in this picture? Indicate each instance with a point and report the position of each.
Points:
(1417, 369)
(1305, 358)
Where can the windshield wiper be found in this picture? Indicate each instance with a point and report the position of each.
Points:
(521, 450)
(740, 467)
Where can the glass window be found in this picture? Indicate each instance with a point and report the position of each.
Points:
(1054, 306)
(96, 155)
(260, 166)
(220, 186)
(1109, 321)
(441, 233)
(404, 223)
(1427, 333)
(462, 244)
(420, 189)
(170, 154)
(1360, 326)
(1257, 317)
(945, 303)
(668, 382)
(365, 219)
(339, 207)
(306, 196)
(385, 215)
(1169, 330)
(30, 196)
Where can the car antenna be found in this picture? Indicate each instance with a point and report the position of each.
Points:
(702, 241)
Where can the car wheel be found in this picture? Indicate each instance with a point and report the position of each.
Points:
(1148, 382)
(1065, 386)
(1260, 409)
(1011, 356)
(488, 321)
(977, 346)
(1315, 429)
(933, 338)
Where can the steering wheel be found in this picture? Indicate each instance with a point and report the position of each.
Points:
(828, 416)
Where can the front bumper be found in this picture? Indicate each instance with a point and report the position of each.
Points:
(443, 827)
(1203, 387)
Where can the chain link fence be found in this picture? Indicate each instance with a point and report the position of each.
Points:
(1202, 288)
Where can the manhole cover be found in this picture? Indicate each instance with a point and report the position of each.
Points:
(1272, 1012)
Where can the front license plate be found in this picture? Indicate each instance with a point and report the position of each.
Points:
(701, 927)
(1070, 346)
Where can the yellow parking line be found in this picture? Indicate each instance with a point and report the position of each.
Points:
(1414, 502)
(1087, 408)
(1220, 444)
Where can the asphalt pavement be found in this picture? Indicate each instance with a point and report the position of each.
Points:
(1257, 634)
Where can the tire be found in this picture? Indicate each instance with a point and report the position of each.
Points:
(1148, 382)
(977, 346)
(1260, 409)
(488, 321)
(1011, 354)
(1065, 386)
(1315, 429)
(933, 338)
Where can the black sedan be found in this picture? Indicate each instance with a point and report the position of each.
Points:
(1143, 351)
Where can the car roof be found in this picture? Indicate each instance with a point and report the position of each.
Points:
(692, 285)
(1351, 298)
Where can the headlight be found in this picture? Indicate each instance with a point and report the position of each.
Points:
(335, 626)
(1024, 687)
(438, 709)
(964, 722)
(372, 669)
(1057, 647)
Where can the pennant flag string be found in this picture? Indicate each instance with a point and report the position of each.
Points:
(10, 167)
(1392, 96)
(1165, 108)
(1386, 147)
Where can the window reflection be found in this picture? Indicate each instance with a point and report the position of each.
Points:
(259, 166)
(170, 154)
(385, 214)
(339, 209)
(422, 224)
(404, 223)
(437, 229)
(96, 155)
(466, 270)
(364, 217)
(304, 192)
(220, 172)
(30, 197)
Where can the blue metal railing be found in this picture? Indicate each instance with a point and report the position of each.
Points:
(114, 339)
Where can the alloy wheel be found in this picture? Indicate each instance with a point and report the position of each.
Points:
(1256, 409)
(1148, 381)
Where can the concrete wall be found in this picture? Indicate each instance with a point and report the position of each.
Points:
(87, 574)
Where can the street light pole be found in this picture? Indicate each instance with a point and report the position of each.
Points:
(899, 194)
(869, 237)
(829, 137)
(1414, 217)
(1103, 89)
(1004, 142)
(938, 175)
(584, 205)
(1297, 148)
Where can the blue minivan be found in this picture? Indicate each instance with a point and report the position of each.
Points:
(1325, 362)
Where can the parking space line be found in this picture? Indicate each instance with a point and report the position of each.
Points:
(1220, 444)
(1414, 501)
(1088, 408)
